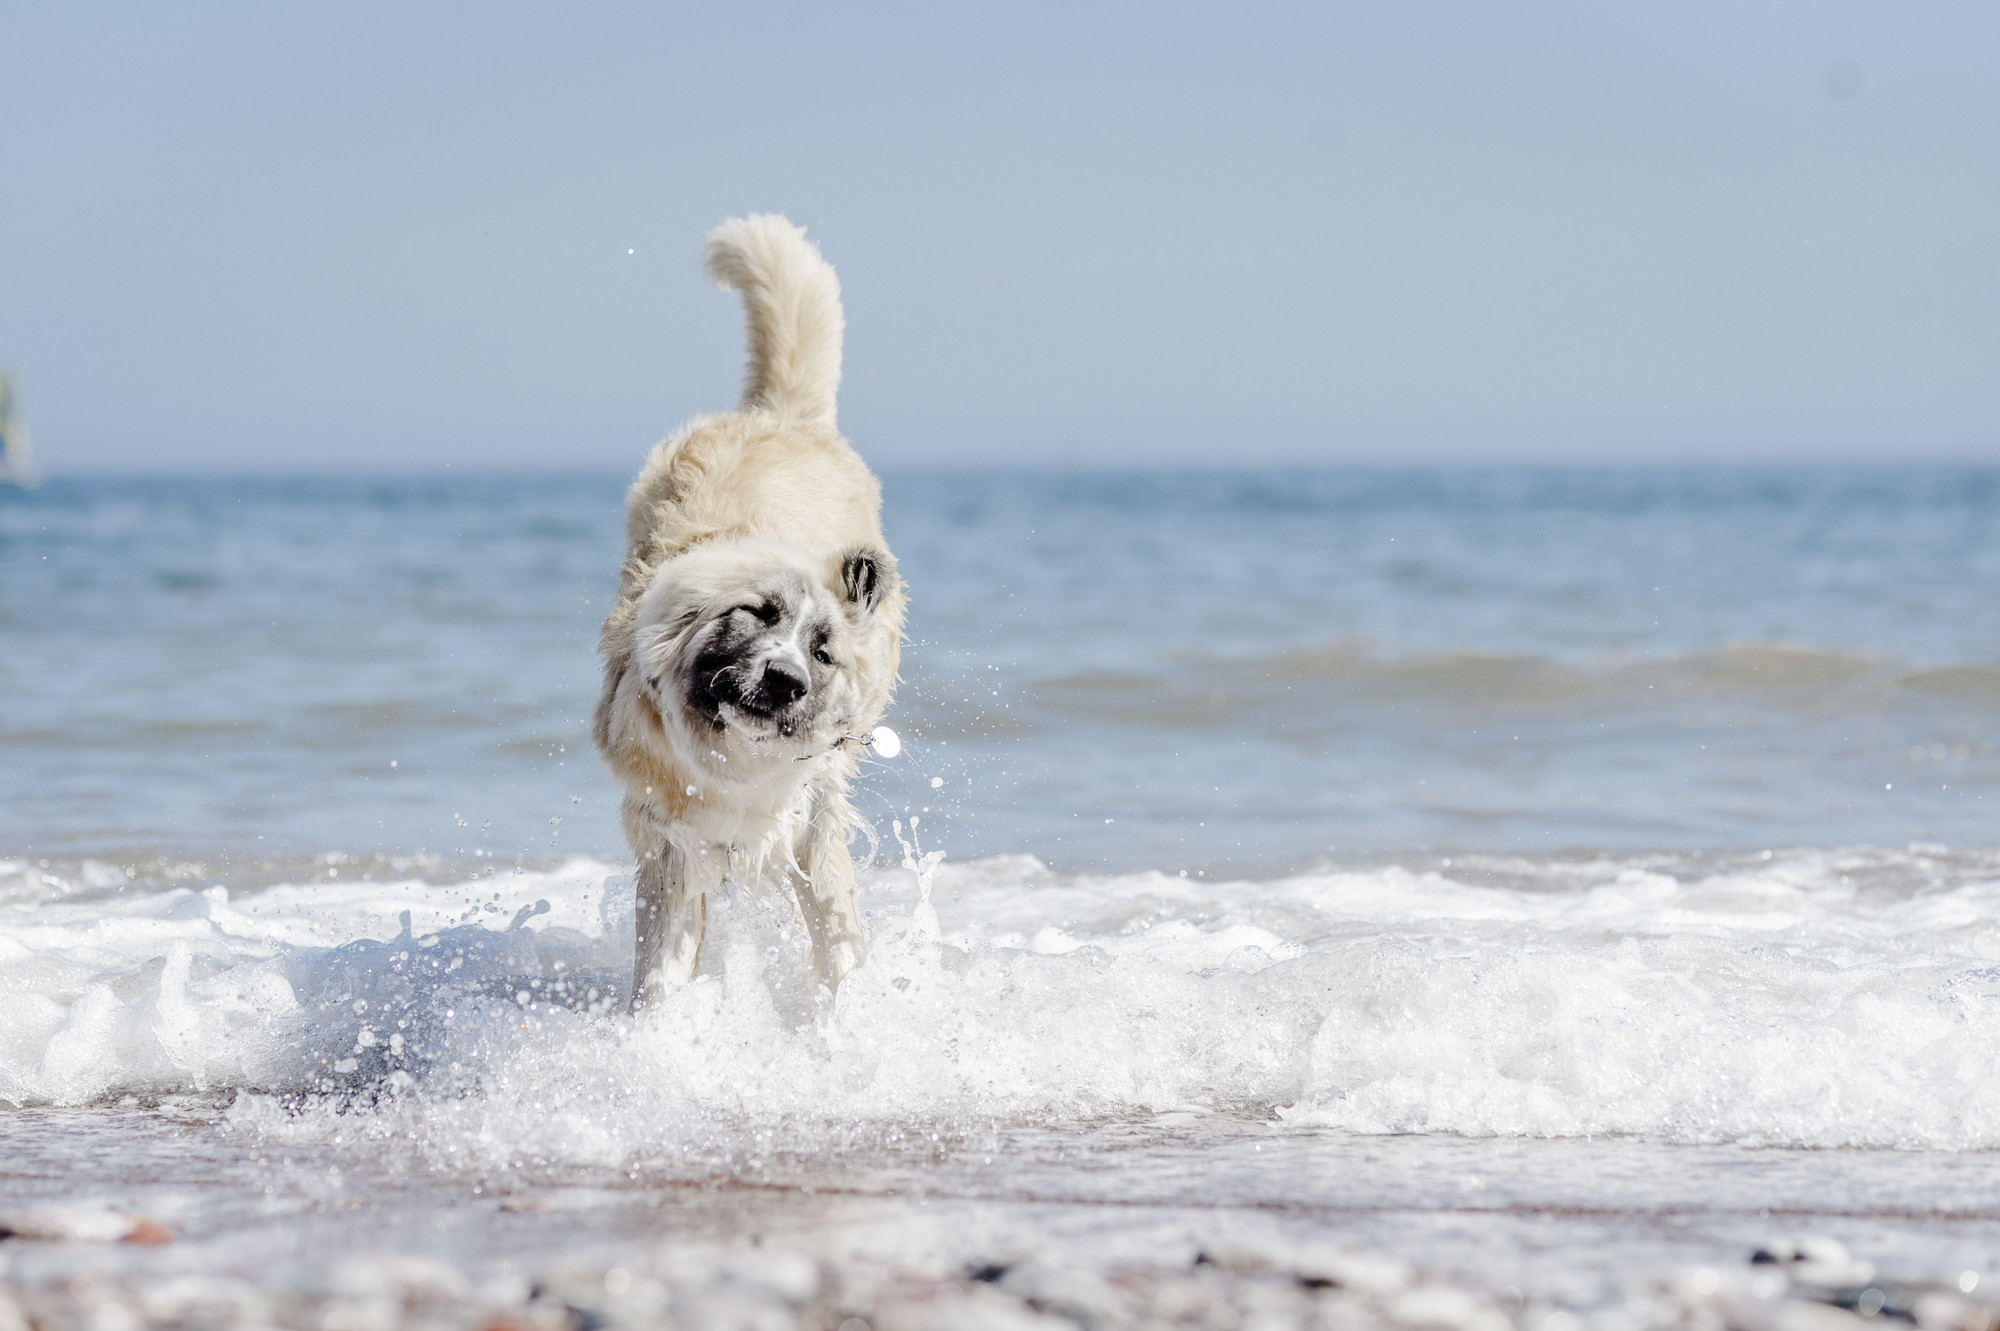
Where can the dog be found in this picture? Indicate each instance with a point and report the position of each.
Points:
(757, 630)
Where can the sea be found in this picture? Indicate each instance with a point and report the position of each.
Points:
(1545, 879)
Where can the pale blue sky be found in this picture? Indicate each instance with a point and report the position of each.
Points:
(349, 236)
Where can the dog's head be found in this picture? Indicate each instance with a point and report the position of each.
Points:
(754, 646)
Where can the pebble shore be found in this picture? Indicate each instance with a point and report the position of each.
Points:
(1807, 1285)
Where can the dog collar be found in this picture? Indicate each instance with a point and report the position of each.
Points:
(884, 741)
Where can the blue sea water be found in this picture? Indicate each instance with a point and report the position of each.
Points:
(1108, 669)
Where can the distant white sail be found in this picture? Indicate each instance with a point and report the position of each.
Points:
(17, 458)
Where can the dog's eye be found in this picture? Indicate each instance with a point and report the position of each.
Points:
(820, 655)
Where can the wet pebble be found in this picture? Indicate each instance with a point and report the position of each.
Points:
(1796, 1285)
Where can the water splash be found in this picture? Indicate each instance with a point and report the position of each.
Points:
(1814, 998)
(924, 864)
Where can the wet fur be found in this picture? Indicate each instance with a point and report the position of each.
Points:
(759, 620)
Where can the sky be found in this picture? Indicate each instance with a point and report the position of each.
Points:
(315, 237)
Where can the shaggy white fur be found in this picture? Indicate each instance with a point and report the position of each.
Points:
(759, 621)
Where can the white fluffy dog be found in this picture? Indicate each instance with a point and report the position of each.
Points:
(757, 629)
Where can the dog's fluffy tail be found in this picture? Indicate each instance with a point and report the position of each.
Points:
(791, 303)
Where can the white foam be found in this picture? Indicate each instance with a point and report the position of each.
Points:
(1774, 1004)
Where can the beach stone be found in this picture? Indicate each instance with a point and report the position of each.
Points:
(1082, 1296)
(1175, 1297)
(1336, 1310)
(376, 1314)
(792, 1276)
(1312, 1264)
(81, 1222)
(204, 1300)
(1366, 1273)
(1948, 1310)
(732, 1307)
(1803, 1315)
(1241, 1256)
(1541, 1317)
(979, 1307)
(1814, 1259)
(1441, 1308)
(407, 1281)
(1270, 1304)
(1786, 1314)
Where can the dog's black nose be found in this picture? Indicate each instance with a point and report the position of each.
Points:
(782, 687)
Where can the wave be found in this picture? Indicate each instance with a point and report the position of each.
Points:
(1815, 998)
(1195, 690)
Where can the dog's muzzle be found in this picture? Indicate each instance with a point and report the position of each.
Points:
(772, 691)
(778, 690)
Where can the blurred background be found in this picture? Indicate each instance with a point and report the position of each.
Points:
(1308, 431)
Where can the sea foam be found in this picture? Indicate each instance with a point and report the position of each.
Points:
(1817, 998)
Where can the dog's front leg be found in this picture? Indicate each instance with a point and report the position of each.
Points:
(671, 916)
(827, 899)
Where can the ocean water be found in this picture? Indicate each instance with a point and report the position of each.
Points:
(1536, 875)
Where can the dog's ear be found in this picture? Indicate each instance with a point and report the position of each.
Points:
(866, 576)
